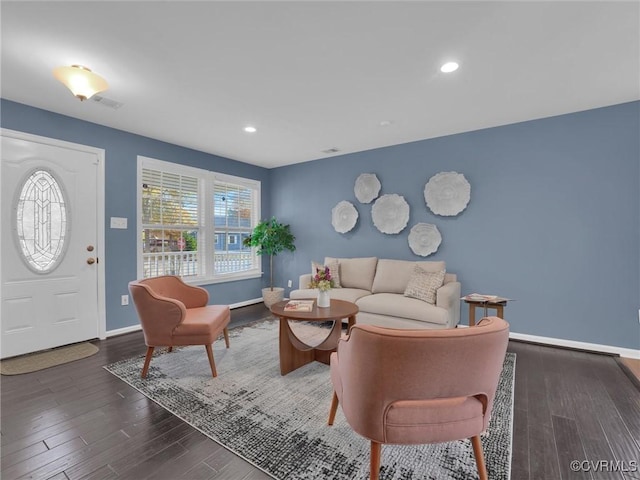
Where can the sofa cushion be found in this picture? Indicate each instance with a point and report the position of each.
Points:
(356, 272)
(348, 294)
(334, 271)
(392, 276)
(450, 277)
(397, 305)
(423, 285)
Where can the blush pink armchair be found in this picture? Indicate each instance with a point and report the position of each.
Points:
(173, 313)
(419, 386)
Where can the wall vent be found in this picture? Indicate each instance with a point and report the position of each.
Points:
(107, 102)
(331, 150)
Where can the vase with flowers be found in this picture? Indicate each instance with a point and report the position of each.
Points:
(323, 282)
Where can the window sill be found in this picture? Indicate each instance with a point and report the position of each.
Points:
(232, 277)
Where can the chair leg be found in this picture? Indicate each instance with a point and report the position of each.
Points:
(147, 361)
(477, 452)
(211, 362)
(375, 460)
(334, 408)
(226, 336)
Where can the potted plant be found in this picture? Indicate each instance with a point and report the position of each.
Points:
(271, 238)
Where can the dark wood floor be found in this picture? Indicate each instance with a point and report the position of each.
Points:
(78, 421)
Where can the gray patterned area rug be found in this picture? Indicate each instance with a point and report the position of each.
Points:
(280, 423)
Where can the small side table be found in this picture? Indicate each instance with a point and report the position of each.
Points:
(498, 305)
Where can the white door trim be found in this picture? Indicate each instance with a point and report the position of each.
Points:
(99, 152)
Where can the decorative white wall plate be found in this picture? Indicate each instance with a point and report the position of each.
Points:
(344, 216)
(367, 187)
(424, 239)
(390, 213)
(447, 193)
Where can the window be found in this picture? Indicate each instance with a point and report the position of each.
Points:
(192, 223)
(41, 221)
(234, 220)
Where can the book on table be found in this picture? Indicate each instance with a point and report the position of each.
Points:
(479, 297)
(299, 305)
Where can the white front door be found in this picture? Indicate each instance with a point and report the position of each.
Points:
(49, 243)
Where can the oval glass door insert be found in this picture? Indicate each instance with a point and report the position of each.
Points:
(41, 221)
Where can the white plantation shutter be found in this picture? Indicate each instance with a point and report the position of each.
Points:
(233, 206)
(234, 219)
(170, 223)
(169, 199)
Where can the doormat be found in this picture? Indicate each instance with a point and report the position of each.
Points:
(33, 362)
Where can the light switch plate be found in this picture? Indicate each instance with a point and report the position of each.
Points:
(119, 222)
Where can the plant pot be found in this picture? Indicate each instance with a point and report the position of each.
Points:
(272, 296)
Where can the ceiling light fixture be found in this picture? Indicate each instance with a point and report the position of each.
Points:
(250, 129)
(82, 82)
(449, 67)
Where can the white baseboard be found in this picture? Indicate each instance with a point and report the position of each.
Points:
(559, 342)
(135, 328)
(122, 331)
(253, 301)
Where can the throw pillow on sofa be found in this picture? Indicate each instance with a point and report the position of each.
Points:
(334, 271)
(423, 285)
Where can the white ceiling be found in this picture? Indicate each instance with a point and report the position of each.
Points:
(311, 76)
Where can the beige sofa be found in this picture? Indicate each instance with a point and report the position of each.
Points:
(377, 286)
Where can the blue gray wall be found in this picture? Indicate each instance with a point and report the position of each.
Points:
(121, 151)
(553, 222)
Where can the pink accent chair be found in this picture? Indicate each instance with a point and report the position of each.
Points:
(173, 313)
(419, 386)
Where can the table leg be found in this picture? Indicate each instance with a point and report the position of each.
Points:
(352, 322)
(499, 311)
(472, 315)
(292, 358)
(294, 353)
(322, 353)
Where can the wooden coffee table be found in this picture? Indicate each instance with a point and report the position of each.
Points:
(294, 353)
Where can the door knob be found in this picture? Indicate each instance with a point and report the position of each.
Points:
(91, 260)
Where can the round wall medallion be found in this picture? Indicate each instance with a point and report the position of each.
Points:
(367, 187)
(344, 217)
(390, 213)
(424, 239)
(447, 193)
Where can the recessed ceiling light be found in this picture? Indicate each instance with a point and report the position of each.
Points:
(250, 129)
(385, 123)
(449, 67)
